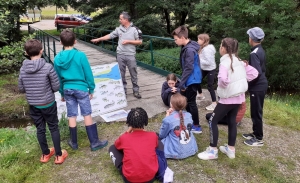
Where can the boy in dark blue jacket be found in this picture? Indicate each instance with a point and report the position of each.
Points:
(191, 75)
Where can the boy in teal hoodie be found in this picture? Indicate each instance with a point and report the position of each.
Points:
(76, 88)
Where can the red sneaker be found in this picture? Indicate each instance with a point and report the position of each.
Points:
(61, 159)
(46, 158)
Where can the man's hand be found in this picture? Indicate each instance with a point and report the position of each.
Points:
(91, 96)
(62, 99)
(125, 42)
(95, 40)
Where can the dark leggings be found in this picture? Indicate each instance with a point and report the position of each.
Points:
(117, 158)
(220, 112)
(210, 83)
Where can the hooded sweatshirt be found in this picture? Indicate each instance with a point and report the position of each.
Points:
(39, 81)
(74, 71)
(207, 58)
(189, 62)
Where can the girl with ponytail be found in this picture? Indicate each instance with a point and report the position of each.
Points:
(175, 131)
(232, 85)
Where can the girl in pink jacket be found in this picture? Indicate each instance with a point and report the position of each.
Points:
(232, 85)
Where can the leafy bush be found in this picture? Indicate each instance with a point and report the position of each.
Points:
(166, 59)
(11, 56)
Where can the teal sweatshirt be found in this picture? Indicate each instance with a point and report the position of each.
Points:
(74, 71)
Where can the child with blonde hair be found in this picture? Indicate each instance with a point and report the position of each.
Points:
(208, 67)
(175, 131)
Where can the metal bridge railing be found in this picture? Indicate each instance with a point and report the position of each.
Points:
(159, 54)
(50, 43)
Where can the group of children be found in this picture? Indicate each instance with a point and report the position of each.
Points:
(235, 77)
(137, 153)
(39, 80)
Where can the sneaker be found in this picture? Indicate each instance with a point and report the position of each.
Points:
(200, 97)
(137, 95)
(208, 154)
(225, 149)
(254, 142)
(248, 136)
(45, 158)
(61, 159)
(211, 107)
(196, 129)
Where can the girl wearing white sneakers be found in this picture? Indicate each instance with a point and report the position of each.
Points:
(232, 85)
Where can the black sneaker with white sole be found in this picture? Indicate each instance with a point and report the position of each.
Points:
(137, 95)
(248, 136)
(254, 142)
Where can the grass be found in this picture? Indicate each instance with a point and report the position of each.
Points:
(11, 101)
(281, 110)
(50, 11)
(19, 154)
(277, 161)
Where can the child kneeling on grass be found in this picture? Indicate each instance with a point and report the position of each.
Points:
(134, 153)
(38, 80)
(175, 131)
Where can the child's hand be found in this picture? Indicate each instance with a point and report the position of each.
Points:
(91, 96)
(169, 111)
(63, 99)
(129, 130)
(174, 89)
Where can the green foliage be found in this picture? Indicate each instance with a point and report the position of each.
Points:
(166, 59)
(12, 56)
(280, 22)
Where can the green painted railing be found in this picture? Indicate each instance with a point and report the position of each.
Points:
(152, 54)
(49, 43)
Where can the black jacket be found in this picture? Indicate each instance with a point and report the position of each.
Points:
(257, 60)
(165, 90)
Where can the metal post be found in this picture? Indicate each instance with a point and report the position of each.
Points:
(54, 49)
(84, 33)
(48, 46)
(151, 51)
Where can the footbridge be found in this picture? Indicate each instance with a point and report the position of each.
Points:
(152, 65)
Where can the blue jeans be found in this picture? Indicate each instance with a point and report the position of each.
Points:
(75, 97)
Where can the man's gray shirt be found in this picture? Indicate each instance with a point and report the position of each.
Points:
(131, 33)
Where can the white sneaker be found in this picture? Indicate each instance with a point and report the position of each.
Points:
(225, 149)
(208, 154)
(211, 107)
(200, 97)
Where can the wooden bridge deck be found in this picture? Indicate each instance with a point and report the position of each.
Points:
(150, 83)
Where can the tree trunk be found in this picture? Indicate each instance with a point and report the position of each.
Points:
(133, 11)
(183, 17)
(167, 17)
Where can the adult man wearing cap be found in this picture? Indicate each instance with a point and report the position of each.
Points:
(257, 87)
